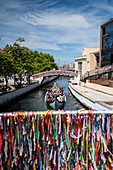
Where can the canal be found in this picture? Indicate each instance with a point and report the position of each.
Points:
(35, 101)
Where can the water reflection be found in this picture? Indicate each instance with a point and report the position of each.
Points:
(36, 100)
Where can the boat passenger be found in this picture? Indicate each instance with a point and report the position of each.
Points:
(60, 90)
(50, 97)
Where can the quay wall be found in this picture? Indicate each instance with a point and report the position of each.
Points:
(104, 89)
(86, 100)
(102, 82)
(9, 97)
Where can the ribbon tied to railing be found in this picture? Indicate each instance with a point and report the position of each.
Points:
(56, 140)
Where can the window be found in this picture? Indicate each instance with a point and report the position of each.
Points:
(80, 67)
(111, 59)
(107, 45)
(88, 64)
(104, 31)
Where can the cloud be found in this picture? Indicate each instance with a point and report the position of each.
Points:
(61, 27)
(105, 5)
(56, 20)
(41, 45)
(58, 26)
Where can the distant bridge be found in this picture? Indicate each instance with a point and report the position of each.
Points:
(55, 73)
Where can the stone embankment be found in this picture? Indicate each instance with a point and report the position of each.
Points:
(91, 98)
(11, 96)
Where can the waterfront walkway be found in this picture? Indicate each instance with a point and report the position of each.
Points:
(106, 100)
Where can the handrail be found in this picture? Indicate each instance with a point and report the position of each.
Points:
(98, 71)
(55, 72)
(70, 112)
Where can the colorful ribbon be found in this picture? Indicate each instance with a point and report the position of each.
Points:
(56, 140)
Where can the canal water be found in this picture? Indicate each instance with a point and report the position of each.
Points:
(35, 101)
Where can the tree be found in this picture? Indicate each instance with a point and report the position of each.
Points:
(19, 54)
(6, 65)
(47, 62)
(7, 48)
(20, 40)
(27, 61)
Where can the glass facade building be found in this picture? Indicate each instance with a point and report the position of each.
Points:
(106, 43)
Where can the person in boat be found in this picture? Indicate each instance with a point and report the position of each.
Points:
(50, 97)
(60, 97)
(60, 90)
(49, 91)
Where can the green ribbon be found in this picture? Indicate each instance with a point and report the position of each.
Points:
(37, 126)
(53, 125)
(89, 125)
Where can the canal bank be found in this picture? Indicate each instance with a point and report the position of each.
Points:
(35, 100)
(92, 99)
(10, 97)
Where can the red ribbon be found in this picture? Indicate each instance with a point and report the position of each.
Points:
(11, 139)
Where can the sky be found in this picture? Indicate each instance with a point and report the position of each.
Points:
(58, 27)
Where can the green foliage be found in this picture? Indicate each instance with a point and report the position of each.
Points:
(6, 64)
(18, 60)
(20, 39)
(7, 48)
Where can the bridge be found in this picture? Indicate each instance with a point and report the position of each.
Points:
(96, 73)
(55, 73)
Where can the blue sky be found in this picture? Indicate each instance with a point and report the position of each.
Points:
(58, 27)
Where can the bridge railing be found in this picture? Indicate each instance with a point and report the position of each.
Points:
(98, 71)
(55, 72)
(54, 139)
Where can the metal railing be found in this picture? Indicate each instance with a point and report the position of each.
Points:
(98, 71)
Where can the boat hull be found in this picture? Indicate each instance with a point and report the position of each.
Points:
(55, 98)
(55, 105)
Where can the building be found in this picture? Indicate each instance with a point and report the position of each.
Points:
(68, 67)
(88, 61)
(106, 43)
(71, 66)
(63, 67)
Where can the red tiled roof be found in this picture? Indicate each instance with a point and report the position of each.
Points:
(9, 52)
(71, 63)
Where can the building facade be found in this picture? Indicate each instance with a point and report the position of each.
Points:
(68, 67)
(88, 61)
(106, 43)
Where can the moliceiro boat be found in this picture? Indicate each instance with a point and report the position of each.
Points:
(55, 97)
